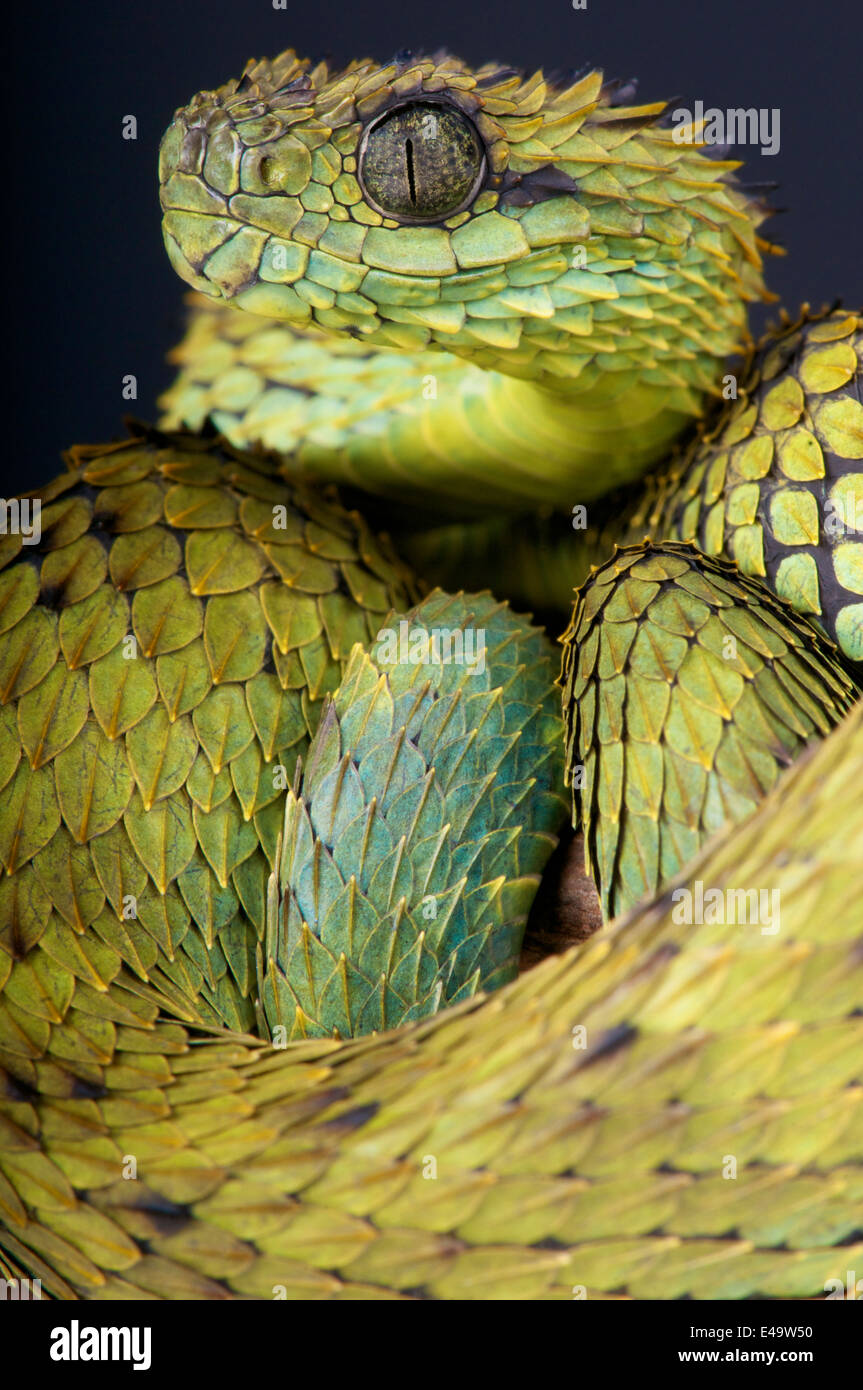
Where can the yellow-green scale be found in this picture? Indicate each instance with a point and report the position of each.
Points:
(423, 426)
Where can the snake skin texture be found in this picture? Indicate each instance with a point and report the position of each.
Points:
(275, 808)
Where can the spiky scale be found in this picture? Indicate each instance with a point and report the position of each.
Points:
(428, 805)
(773, 482)
(549, 1158)
(679, 727)
(776, 482)
(486, 1111)
(149, 713)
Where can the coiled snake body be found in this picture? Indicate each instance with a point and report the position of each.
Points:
(274, 814)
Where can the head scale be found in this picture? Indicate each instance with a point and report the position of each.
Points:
(530, 227)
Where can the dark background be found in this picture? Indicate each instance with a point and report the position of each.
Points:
(92, 294)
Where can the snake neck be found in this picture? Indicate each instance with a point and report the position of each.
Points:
(427, 426)
(502, 441)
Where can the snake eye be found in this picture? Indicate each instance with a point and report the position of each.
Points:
(421, 162)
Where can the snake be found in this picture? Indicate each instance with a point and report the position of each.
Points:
(285, 759)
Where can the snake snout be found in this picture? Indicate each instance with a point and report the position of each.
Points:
(225, 224)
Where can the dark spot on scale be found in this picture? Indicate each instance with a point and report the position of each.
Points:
(612, 1040)
(853, 1237)
(621, 90)
(51, 596)
(269, 663)
(353, 1119)
(86, 1090)
(665, 120)
(14, 1089)
(495, 78)
(167, 1223)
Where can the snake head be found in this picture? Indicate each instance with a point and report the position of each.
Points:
(536, 227)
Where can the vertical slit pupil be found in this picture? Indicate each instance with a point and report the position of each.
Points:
(409, 153)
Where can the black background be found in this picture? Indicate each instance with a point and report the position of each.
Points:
(92, 294)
